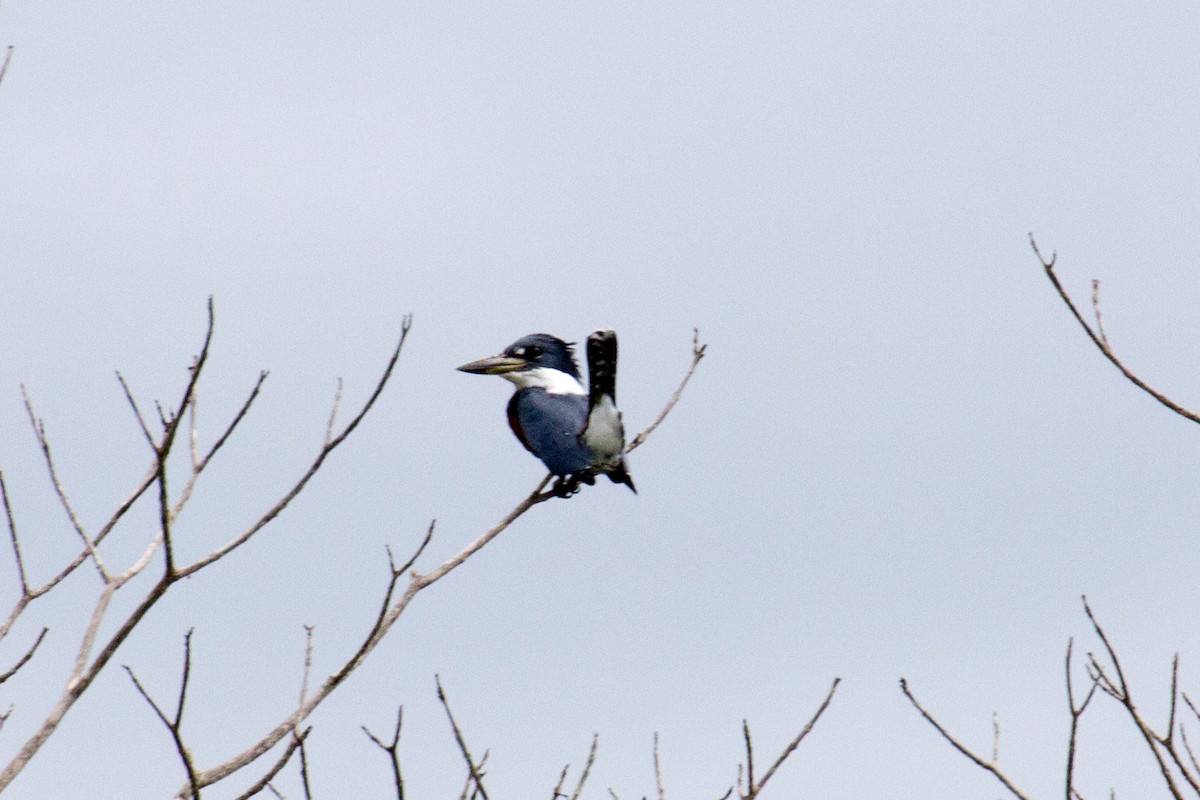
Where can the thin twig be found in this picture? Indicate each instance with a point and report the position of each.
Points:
(7, 58)
(476, 775)
(333, 411)
(389, 611)
(698, 351)
(39, 430)
(989, 767)
(137, 412)
(175, 725)
(393, 751)
(265, 781)
(562, 778)
(199, 464)
(587, 767)
(16, 543)
(749, 753)
(303, 765)
(1100, 339)
(658, 779)
(1121, 693)
(23, 660)
(792, 745)
(86, 671)
(313, 468)
(995, 738)
(1076, 714)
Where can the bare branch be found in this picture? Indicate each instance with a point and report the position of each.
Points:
(749, 753)
(658, 781)
(85, 670)
(562, 778)
(175, 725)
(39, 430)
(137, 412)
(389, 611)
(23, 660)
(476, 775)
(698, 351)
(393, 751)
(470, 788)
(792, 745)
(16, 543)
(1121, 693)
(995, 738)
(298, 487)
(387, 616)
(265, 781)
(7, 59)
(587, 767)
(987, 766)
(1100, 339)
(1096, 312)
(303, 765)
(1076, 714)
(200, 463)
(333, 411)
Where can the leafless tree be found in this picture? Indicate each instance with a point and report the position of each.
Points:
(747, 786)
(173, 429)
(1169, 748)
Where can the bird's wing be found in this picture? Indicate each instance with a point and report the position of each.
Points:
(549, 426)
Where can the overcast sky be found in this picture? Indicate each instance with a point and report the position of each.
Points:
(901, 457)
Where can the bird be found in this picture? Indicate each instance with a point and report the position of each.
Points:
(577, 434)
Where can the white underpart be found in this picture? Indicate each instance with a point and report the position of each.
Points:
(554, 381)
(605, 434)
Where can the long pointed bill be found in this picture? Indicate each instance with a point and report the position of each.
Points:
(495, 365)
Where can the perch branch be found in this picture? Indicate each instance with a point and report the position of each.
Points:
(1100, 339)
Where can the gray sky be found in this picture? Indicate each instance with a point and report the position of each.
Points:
(901, 458)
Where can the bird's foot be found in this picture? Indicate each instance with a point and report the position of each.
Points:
(568, 485)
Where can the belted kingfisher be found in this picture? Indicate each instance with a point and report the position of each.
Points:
(576, 434)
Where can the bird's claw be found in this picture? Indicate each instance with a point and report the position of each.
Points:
(568, 485)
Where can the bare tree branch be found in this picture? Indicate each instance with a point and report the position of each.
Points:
(175, 726)
(749, 755)
(658, 779)
(698, 351)
(587, 767)
(87, 667)
(1076, 714)
(1157, 743)
(1100, 339)
(23, 660)
(39, 430)
(329, 446)
(16, 543)
(265, 781)
(7, 59)
(986, 765)
(562, 778)
(792, 745)
(476, 774)
(393, 751)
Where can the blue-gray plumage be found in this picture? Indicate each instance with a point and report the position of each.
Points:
(575, 435)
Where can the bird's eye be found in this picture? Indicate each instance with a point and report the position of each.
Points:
(533, 351)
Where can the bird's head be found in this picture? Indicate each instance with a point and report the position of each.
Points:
(537, 360)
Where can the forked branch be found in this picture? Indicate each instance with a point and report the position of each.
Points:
(979, 761)
(175, 724)
(1096, 333)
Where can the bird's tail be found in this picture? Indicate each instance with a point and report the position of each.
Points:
(621, 475)
(602, 366)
